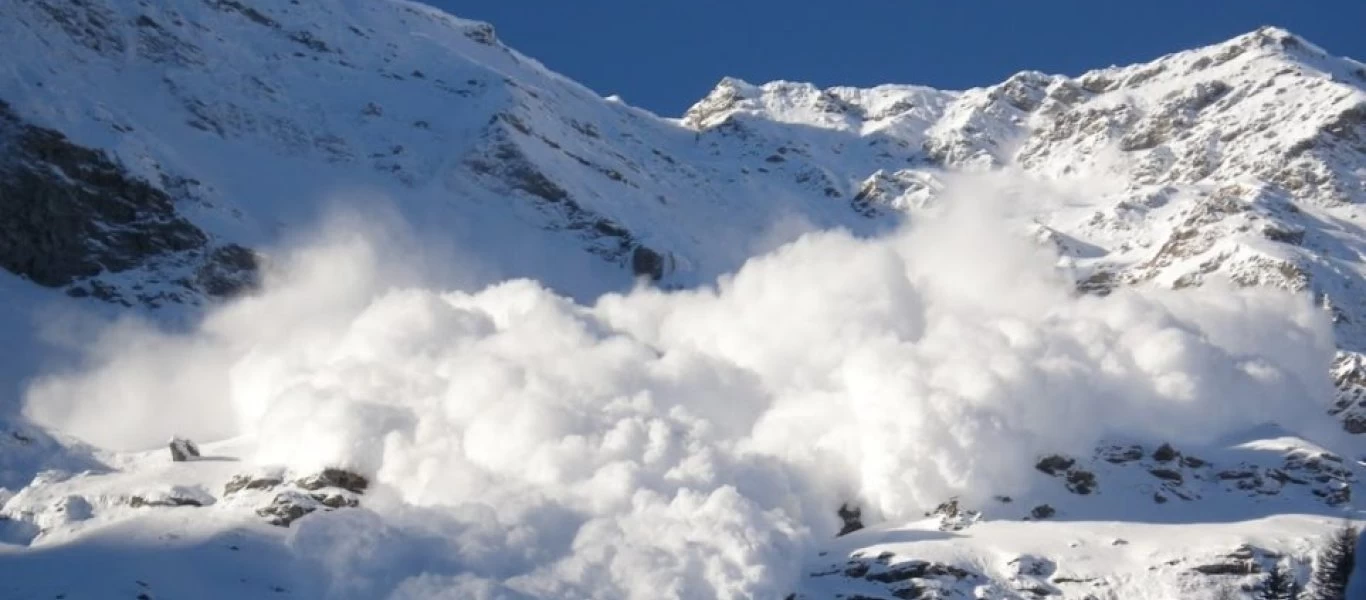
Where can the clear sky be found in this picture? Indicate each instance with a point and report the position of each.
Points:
(665, 54)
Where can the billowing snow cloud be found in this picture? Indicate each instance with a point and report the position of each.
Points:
(685, 444)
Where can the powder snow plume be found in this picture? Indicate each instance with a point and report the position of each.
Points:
(687, 443)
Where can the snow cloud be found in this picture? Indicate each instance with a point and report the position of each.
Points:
(689, 443)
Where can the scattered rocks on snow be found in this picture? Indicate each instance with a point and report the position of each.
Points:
(905, 579)
(174, 497)
(288, 507)
(1078, 481)
(954, 518)
(291, 505)
(325, 490)
(1122, 454)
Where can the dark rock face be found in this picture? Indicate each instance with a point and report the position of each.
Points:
(287, 508)
(139, 502)
(183, 450)
(902, 578)
(335, 478)
(851, 517)
(68, 213)
(1054, 464)
(227, 271)
(321, 494)
(1080, 481)
(953, 517)
(246, 482)
(1165, 453)
(327, 490)
(648, 263)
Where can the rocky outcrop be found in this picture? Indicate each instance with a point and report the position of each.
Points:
(904, 578)
(334, 478)
(288, 501)
(851, 518)
(69, 213)
(183, 450)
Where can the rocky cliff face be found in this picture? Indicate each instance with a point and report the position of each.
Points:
(69, 215)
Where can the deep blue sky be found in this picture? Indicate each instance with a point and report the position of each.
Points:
(665, 54)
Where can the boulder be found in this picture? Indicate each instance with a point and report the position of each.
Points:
(850, 515)
(335, 478)
(288, 507)
(1054, 464)
(183, 450)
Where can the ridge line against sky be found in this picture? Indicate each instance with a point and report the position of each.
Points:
(664, 55)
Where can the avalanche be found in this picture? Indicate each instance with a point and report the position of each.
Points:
(691, 443)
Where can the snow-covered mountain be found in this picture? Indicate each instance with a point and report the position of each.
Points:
(1087, 426)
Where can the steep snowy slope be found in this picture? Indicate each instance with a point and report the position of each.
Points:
(250, 117)
(1080, 415)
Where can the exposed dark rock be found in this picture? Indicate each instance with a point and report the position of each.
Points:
(1122, 454)
(183, 450)
(1081, 482)
(337, 478)
(69, 213)
(916, 569)
(1054, 464)
(335, 500)
(1100, 283)
(1283, 477)
(1192, 462)
(647, 262)
(89, 24)
(952, 517)
(1226, 568)
(228, 271)
(310, 41)
(1165, 453)
(287, 508)
(1242, 561)
(1167, 474)
(250, 13)
(1042, 511)
(851, 516)
(482, 33)
(247, 482)
(171, 500)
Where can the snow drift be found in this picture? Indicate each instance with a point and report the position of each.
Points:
(690, 443)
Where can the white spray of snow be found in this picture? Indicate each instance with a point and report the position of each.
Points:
(685, 444)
